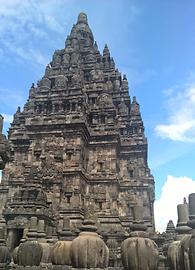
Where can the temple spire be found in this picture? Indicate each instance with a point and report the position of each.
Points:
(82, 18)
(82, 32)
(135, 107)
(106, 51)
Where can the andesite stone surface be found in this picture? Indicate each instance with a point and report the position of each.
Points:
(78, 146)
(76, 189)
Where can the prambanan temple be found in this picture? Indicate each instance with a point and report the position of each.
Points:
(76, 189)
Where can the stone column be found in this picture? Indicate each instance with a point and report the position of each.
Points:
(32, 233)
(41, 230)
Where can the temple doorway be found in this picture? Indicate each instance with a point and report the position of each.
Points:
(14, 238)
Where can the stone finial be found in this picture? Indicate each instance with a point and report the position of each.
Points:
(30, 253)
(191, 200)
(182, 211)
(32, 233)
(125, 85)
(106, 51)
(139, 254)
(112, 63)
(192, 205)
(1, 123)
(66, 234)
(88, 226)
(124, 77)
(170, 227)
(135, 107)
(138, 251)
(82, 18)
(95, 46)
(41, 229)
(138, 227)
(18, 109)
(88, 250)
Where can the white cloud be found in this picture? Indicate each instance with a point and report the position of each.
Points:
(180, 105)
(8, 118)
(24, 23)
(173, 192)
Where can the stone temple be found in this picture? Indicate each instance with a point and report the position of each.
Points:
(76, 156)
(81, 139)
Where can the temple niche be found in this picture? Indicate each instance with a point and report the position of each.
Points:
(77, 152)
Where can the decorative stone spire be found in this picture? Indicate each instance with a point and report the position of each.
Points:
(183, 217)
(41, 229)
(95, 46)
(191, 221)
(138, 227)
(32, 233)
(135, 248)
(135, 107)
(82, 18)
(88, 250)
(170, 227)
(66, 234)
(125, 86)
(82, 32)
(106, 52)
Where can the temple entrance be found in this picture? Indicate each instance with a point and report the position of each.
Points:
(14, 237)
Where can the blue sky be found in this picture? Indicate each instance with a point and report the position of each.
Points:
(151, 41)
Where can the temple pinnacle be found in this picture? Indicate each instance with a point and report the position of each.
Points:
(82, 18)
